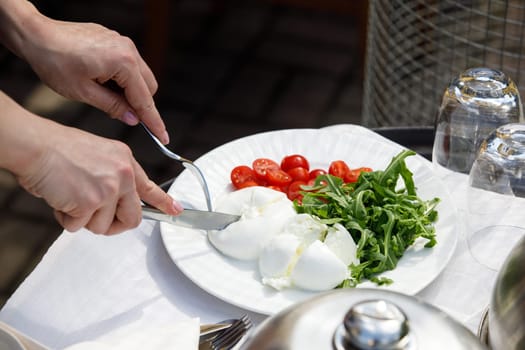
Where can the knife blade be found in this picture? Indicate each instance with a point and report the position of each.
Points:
(192, 218)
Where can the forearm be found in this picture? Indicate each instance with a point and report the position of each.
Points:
(20, 24)
(19, 136)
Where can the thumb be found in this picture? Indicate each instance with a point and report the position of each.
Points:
(152, 194)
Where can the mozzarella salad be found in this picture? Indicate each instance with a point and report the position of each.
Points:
(337, 234)
(291, 249)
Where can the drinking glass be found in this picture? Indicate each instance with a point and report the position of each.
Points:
(496, 196)
(474, 104)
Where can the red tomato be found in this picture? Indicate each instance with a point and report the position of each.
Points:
(294, 161)
(261, 166)
(243, 176)
(316, 172)
(275, 188)
(278, 177)
(299, 174)
(294, 190)
(353, 175)
(338, 168)
(364, 169)
(311, 182)
(248, 184)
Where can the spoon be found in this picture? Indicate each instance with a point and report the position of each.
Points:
(188, 164)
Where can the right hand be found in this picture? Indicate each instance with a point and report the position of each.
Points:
(91, 181)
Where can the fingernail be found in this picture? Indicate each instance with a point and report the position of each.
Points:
(130, 118)
(165, 137)
(177, 206)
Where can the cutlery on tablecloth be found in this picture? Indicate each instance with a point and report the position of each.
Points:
(191, 218)
(209, 331)
(228, 338)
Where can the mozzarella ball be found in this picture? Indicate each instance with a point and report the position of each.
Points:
(308, 228)
(318, 269)
(341, 243)
(277, 260)
(264, 213)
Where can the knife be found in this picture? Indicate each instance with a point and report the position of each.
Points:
(192, 218)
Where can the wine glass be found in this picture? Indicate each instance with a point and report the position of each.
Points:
(475, 103)
(496, 196)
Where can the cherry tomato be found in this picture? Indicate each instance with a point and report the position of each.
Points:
(275, 188)
(290, 175)
(353, 174)
(243, 176)
(278, 177)
(311, 182)
(294, 161)
(364, 169)
(294, 190)
(261, 165)
(248, 184)
(299, 174)
(316, 172)
(338, 168)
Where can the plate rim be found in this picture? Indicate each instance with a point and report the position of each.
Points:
(6, 334)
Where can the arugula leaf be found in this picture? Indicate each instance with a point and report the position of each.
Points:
(381, 211)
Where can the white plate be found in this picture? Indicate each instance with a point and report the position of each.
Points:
(238, 282)
(8, 341)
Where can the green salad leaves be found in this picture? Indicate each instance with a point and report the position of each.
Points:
(381, 211)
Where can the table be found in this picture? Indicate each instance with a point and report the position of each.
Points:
(88, 287)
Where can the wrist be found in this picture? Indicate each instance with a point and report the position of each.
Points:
(21, 142)
(20, 24)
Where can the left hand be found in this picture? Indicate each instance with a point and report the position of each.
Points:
(77, 59)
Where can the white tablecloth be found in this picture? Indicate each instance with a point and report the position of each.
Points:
(89, 287)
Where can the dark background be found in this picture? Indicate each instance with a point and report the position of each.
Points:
(226, 69)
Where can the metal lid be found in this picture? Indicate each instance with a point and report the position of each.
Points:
(506, 319)
(359, 319)
(373, 324)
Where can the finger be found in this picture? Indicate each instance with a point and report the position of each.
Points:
(118, 227)
(70, 223)
(152, 194)
(111, 102)
(140, 99)
(128, 214)
(148, 76)
(102, 219)
(145, 70)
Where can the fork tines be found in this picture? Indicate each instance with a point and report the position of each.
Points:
(231, 336)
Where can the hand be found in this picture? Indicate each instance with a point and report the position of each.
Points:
(78, 60)
(90, 181)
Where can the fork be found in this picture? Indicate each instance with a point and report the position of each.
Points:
(228, 338)
(188, 164)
